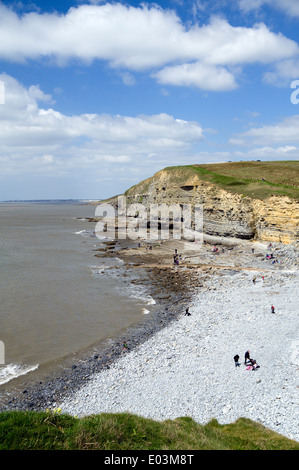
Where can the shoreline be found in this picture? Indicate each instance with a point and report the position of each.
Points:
(205, 280)
(187, 368)
(41, 390)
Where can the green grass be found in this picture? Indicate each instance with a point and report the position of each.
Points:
(54, 431)
(257, 180)
(277, 172)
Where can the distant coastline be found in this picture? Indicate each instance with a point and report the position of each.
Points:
(50, 201)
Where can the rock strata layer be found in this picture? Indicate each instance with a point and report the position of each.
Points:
(225, 214)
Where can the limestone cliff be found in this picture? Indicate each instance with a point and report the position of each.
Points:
(225, 213)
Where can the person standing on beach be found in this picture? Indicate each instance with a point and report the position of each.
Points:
(247, 357)
(272, 309)
(187, 312)
(236, 359)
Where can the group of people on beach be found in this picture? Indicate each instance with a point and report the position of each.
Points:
(216, 250)
(254, 279)
(248, 362)
(270, 256)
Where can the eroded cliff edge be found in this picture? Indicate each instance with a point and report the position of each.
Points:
(226, 212)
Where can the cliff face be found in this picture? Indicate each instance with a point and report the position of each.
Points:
(224, 213)
(277, 219)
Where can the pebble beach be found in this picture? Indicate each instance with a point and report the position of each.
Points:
(187, 368)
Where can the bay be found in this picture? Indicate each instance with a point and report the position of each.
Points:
(53, 301)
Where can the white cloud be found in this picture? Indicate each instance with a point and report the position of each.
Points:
(228, 45)
(290, 7)
(128, 79)
(143, 38)
(284, 133)
(283, 72)
(204, 76)
(268, 152)
(36, 139)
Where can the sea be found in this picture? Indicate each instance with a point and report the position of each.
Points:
(57, 298)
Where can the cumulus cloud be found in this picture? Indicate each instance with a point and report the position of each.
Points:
(143, 38)
(36, 138)
(284, 133)
(204, 76)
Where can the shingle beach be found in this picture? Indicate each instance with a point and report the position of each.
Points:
(187, 368)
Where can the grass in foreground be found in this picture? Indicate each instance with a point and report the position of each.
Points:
(53, 431)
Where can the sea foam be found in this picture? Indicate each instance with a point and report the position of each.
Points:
(12, 371)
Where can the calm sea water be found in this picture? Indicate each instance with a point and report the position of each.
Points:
(54, 302)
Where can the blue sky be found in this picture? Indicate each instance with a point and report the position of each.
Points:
(100, 95)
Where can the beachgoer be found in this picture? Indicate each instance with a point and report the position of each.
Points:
(125, 346)
(236, 359)
(247, 357)
(272, 309)
(254, 365)
(187, 312)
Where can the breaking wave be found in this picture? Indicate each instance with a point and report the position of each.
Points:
(12, 371)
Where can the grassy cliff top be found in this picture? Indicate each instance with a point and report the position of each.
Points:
(257, 180)
(53, 431)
